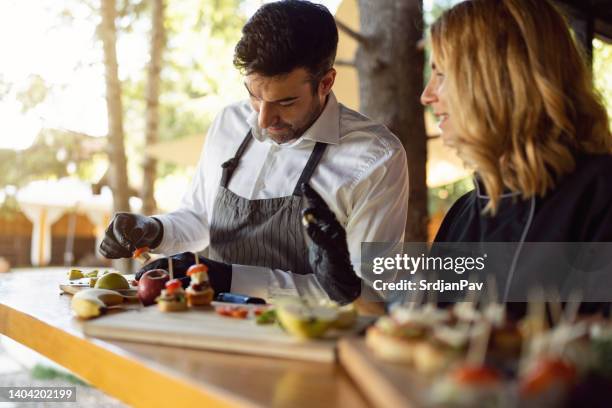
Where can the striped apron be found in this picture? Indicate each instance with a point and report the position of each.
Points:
(265, 232)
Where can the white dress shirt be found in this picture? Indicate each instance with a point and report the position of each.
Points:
(363, 177)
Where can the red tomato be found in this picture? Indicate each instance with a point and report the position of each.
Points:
(223, 311)
(197, 268)
(546, 372)
(240, 313)
(173, 285)
(476, 375)
(232, 311)
(140, 251)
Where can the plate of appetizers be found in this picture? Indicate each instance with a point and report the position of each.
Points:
(183, 312)
(472, 355)
(290, 328)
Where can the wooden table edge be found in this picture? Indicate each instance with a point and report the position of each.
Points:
(378, 392)
(59, 346)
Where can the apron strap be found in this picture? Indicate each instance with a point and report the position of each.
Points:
(311, 165)
(230, 165)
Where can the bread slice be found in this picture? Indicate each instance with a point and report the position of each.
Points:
(171, 305)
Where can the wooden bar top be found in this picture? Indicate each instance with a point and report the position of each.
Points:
(35, 313)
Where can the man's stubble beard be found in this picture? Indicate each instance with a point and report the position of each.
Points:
(292, 134)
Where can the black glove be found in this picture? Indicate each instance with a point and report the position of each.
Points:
(327, 250)
(128, 232)
(219, 273)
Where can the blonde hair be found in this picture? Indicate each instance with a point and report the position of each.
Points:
(520, 94)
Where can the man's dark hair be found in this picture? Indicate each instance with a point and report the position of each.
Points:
(286, 35)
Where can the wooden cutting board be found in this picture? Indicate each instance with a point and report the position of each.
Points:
(207, 330)
(384, 384)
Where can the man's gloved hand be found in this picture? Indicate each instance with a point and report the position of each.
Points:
(127, 232)
(328, 251)
(219, 273)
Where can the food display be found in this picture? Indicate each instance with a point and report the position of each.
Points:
(403, 336)
(172, 298)
(470, 386)
(199, 292)
(471, 355)
(298, 317)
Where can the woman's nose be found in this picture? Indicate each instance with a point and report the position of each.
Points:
(428, 96)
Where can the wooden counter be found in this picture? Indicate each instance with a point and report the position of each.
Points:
(34, 313)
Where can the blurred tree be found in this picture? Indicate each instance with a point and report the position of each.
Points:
(118, 177)
(197, 76)
(158, 39)
(390, 62)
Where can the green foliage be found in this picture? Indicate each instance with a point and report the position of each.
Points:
(197, 78)
(35, 93)
(602, 71)
(54, 154)
(42, 372)
(440, 199)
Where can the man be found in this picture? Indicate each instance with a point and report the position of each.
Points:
(246, 198)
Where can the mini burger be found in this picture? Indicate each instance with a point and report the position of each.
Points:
(172, 298)
(199, 292)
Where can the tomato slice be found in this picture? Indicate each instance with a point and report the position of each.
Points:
(240, 313)
(545, 373)
(232, 311)
(476, 375)
(196, 269)
(226, 311)
(173, 285)
(140, 251)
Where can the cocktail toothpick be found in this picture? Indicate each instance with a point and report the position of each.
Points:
(170, 268)
(572, 307)
(479, 342)
(556, 310)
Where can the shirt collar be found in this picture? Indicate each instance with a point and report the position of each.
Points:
(325, 129)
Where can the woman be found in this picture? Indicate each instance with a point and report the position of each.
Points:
(515, 98)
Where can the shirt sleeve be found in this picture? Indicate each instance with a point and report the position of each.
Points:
(269, 283)
(379, 210)
(187, 229)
